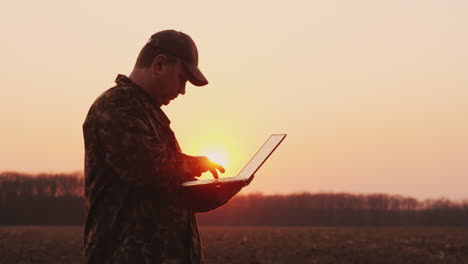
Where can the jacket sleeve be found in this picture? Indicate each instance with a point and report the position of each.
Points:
(138, 155)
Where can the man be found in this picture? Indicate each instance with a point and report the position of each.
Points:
(137, 211)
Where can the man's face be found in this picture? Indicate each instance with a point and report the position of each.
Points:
(172, 82)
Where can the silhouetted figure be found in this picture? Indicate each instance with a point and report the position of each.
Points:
(137, 211)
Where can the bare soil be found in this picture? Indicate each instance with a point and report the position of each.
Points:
(425, 245)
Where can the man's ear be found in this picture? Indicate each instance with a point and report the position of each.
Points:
(159, 64)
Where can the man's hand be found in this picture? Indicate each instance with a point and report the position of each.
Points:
(204, 164)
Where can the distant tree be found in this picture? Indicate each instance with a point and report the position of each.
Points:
(52, 199)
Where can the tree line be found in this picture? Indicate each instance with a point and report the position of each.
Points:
(57, 199)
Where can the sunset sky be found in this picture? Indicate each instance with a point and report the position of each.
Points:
(372, 94)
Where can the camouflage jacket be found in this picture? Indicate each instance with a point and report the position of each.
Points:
(135, 207)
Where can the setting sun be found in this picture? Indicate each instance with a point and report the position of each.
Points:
(217, 155)
(218, 148)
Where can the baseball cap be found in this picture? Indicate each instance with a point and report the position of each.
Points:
(182, 46)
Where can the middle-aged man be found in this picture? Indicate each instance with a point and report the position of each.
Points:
(137, 211)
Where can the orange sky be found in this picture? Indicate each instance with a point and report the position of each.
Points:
(373, 94)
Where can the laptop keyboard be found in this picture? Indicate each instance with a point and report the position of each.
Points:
(209, 181)
(225, 179)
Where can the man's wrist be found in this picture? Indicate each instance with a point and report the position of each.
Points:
(193, 165)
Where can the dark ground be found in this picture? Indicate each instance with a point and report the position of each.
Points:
(42, 244)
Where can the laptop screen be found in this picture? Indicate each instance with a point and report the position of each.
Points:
(260, 157)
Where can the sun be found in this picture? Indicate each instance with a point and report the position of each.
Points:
(218, 147)
(217, 155)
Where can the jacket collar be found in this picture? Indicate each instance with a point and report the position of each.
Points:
(142, 98)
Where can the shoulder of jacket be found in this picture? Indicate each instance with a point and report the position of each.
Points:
(111, 102)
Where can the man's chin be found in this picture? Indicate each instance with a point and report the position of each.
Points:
(166, 101)
(163, 101)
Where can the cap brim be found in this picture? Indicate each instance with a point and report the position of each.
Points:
(197, 77)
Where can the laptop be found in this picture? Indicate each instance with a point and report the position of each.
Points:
(247, 173)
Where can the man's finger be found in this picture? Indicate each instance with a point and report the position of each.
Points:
(220, 168)
(215, 165)
(215, 173)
